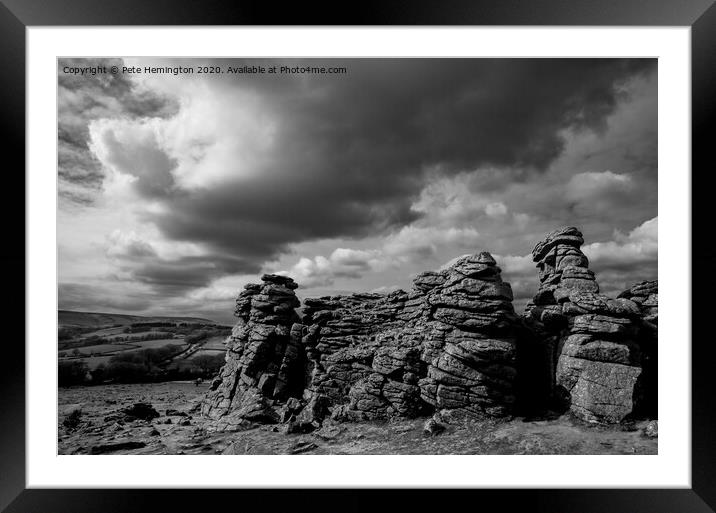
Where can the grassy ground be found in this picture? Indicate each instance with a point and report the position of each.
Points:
(107, 341)
(101, 349)
(215, 343)
(146, 344)
(185, 432)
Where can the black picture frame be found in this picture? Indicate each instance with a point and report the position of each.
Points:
(17, 15)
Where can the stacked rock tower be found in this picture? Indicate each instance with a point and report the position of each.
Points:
(470, 347)
(594, 339)
(263, 358)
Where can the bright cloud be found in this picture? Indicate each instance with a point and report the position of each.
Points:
(588, 186)
(639, 245)
(411, 244)
(496, 209)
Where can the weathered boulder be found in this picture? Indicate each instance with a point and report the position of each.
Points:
(140, 411)
(600, 391)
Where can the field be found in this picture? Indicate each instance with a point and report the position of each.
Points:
(212, 347)
(144, 344)
(215, 343)
(94, 338)
(95, 361)
(104, 349)
(184, 431)
(97, 319)
(133, 336)
(204, 352)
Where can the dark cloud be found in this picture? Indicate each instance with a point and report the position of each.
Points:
(346, 156)
(351, 152)
(81, 296)
(175, 277)
(83, 98)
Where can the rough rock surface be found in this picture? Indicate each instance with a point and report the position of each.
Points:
(646, 295)
(452, 346)
(596, 340)
(448, 344)
(262, 358)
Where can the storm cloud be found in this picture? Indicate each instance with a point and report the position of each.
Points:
(255, 168)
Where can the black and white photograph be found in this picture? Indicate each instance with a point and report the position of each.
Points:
(357, 256)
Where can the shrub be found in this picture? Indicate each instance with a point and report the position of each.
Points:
(71, 373)
(209, 364)
(126, 372)
(99, 373)
(73, 419)
(139, 366)
(198, 336)
(65, 333)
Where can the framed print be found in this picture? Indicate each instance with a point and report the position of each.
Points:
(418, 249)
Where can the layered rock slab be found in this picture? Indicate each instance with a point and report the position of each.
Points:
(471, 345)
(444, 345)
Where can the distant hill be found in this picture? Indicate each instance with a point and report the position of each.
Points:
(99, 319)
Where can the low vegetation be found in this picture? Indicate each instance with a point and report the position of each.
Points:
(72, 373)
(202, 366)
(94, 353)
(140, 366)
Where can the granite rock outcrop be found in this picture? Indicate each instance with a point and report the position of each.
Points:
(448, 344)
(646, 295)
(263, 364)
(596, 341)
(451, 347)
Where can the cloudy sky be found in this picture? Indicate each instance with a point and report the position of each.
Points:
(176, 190)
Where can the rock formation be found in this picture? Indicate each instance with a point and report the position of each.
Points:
(262, 358)
(449, 344)
(470, 345)
(595, 340)
(646, 295)
(452, 346)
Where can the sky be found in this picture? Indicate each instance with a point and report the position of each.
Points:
(176, 190)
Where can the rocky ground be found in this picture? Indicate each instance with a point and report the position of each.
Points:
(104, 420)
